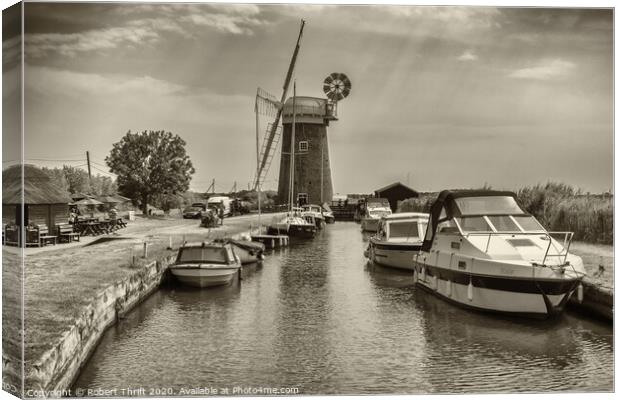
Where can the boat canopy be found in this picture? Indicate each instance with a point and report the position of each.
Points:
(451, 204)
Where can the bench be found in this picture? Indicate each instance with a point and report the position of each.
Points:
(43, 236)
(65, 232)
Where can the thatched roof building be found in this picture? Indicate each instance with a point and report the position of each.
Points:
(45, 203)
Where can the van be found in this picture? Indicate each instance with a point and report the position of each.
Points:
(217, 200)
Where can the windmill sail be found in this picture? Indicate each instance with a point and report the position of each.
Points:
(268, 144)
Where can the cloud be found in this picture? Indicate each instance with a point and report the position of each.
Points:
(70, 44)
(51, 82)
(551, 69)
(467, 56)
(147, 24)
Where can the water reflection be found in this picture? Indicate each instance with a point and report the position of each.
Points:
(318, 317)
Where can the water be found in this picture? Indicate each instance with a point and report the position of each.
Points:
(318, 318)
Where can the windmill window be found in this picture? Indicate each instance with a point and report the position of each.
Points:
(303, 146)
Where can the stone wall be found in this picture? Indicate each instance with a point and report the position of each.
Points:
(59, 366)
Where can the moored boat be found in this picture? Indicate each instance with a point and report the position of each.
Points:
(248, 251)
(206, 264)
(398, 239)
(316, 212)
(482, 251)
(374, 210)
(293, 225)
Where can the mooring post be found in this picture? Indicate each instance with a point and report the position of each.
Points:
(145, 252)
(132, 257)
(170, 242)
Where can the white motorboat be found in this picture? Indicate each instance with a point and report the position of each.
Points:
(482, 251)
(316, 212)
(375, 210)
(398, 239)
(206, 264)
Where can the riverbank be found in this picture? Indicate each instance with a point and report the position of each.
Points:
(598, 295)
(60, 281)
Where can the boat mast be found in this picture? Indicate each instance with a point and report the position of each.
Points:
(257, 154)
(292, 167)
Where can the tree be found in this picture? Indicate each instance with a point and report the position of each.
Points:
(77, 179)
(150, 163)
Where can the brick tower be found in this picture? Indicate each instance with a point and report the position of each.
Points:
(313, 177)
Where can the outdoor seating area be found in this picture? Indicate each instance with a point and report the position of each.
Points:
(95, 226)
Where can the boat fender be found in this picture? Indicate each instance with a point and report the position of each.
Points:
(435, 282)
(424, 274)
(449, 287)
(470, 291)
(580, 293)
(415, 275)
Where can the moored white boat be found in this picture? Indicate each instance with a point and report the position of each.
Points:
(316, 212)
(398, 239)
(482, 251)
(375, 210)
(206, 264)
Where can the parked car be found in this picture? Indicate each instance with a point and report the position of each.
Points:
(192, 212)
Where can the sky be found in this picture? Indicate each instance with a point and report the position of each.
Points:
(442, 97)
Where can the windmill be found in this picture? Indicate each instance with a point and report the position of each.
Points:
(305, 121)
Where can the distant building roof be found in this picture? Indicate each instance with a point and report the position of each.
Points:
(38, 187)
(395, 184)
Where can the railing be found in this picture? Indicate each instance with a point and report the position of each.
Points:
(568, 238)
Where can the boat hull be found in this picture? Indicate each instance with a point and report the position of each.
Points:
(296, 231)
(202, 277)
(518, 296)
(393, 255)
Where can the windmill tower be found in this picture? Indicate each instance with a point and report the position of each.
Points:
(312, 172)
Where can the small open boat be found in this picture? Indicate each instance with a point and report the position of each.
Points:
(206, 264)
(482, 251)
(248, 252)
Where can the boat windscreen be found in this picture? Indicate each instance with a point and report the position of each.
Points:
(474, 224)
(203, 255)
(488, 205)
(378, 213)
(528, 223)
(404, 229)
(503, 223)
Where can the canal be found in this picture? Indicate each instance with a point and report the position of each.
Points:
(317, 318)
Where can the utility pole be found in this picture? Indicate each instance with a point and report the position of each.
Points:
(88, 163)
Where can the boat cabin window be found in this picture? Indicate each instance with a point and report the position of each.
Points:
(528, 223)
(474, 224)
(303, 146)
(204, 255)
(503, 223)
(446, 227)
(488, 205)
(404, 229)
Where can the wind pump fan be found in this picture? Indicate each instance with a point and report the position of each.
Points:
(337, 86)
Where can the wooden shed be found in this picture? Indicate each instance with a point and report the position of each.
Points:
(44, 202)
(395, 193)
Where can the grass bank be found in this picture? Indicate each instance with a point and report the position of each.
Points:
(61, 280)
